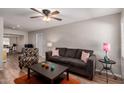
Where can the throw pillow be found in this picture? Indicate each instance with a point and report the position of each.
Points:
(55, 52)
(85, 56)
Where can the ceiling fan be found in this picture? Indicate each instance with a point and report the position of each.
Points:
(46, 14)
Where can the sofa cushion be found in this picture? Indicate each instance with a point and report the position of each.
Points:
(85, 56)
(88, 51)
(74, 62)
(79, 52)
(68, 61)
(55, 58)
(58, 59)
(62, 51)
(70, 53)
(55, 52)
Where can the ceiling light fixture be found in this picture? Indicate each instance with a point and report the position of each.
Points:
(18, 26)
(46, 18)
(47, 14)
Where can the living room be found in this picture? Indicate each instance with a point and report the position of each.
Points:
(89, 34)
(63, 47)
(88, 29)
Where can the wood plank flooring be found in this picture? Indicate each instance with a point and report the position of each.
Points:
(12, 71)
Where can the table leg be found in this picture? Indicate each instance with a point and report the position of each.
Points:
(101, 70)
(106, 74)
(28, 73)
(67, 75)
(114, 76)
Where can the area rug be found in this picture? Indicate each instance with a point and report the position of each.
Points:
(36, 80)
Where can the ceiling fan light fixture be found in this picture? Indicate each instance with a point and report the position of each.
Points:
(48, 19)
(45, 18)
(47, 14)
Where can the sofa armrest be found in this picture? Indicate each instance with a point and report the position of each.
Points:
(48, 54)
(91, 66)
(92, 58)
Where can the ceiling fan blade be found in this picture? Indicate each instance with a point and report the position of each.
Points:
(36, 10)
(59, 19)
(36, 16)
(54, 12)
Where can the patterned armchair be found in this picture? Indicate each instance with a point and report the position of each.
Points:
(29, 57)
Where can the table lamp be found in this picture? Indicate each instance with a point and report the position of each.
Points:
(49, 45)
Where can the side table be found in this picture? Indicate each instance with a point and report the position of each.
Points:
(107, 67)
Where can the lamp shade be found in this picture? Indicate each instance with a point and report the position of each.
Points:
(49, 44)
(106, 47)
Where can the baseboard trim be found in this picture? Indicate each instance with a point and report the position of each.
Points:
(97, 70)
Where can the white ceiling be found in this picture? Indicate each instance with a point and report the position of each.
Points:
(21, 16)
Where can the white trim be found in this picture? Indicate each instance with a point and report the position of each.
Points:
(109, 73)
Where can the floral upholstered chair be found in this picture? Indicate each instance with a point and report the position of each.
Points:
(29, 57)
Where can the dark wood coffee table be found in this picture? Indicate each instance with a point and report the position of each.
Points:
(48, 73)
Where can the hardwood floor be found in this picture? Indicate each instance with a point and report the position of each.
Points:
(12, 71)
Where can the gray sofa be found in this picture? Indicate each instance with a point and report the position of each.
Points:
(71, 58)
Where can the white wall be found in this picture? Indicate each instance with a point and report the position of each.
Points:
(32, 38)
(20, 43)
(88, 34)
(1, 42)
(13, 40)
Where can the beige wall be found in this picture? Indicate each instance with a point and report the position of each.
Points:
(88, 34)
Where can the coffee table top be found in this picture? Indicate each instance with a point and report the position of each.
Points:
(59, 69)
